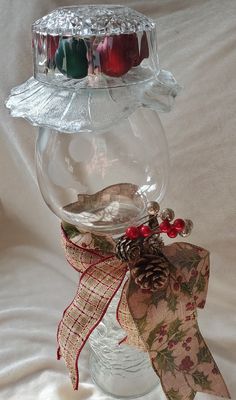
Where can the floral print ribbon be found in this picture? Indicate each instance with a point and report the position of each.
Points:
(163, 323)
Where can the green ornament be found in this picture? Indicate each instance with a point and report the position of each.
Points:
(71, 58)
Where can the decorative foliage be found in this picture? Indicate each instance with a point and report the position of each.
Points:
(161, 322)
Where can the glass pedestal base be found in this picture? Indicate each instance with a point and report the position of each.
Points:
(119, 370)
(129, 378)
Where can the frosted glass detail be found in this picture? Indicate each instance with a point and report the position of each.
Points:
(93, 20)
(119, 370)
(77, 110)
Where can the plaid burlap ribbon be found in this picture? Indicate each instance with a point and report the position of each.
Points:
(163, 323)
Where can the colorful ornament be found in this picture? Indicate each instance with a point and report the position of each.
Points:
(168, 214)
(114, 59)
(119, 53)
(187, 229)
(71, 58)
(153, 208)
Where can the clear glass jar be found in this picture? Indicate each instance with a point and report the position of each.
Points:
(102, 180)
(101, 152)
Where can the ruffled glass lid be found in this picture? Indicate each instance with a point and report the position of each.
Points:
(88, 56)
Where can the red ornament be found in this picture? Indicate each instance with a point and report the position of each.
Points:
(119, 53)
(132, 48)
(179, 224)
(132, 232)
(165, 226)
(114, 59)
(172, 232)
(145, 230)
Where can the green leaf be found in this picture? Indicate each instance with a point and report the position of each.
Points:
(201, 284)
(204, 355)
(201, 379)
(179, 336)
(153, 334)
(71, 230)
(102, 243)
(174, 327)
(173, 394)
(187, 258)
(166, 361)
(172, 302)
(187, 287)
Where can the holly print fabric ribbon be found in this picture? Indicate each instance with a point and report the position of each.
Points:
(166, 322)
(163, 323)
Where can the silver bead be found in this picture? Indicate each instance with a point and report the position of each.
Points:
(167, 213)
(153, 208)
(188, 228)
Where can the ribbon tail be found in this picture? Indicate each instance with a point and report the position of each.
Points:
(98, 285)
(127, 323)
(166, 322)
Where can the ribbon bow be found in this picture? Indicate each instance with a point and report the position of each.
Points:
(163, 322)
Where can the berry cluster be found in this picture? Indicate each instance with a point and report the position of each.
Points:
(172, 229)
(186, 344)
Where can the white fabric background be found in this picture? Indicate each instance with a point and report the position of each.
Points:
(197, 43)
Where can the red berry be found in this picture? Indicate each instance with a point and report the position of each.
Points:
(165, 226)
(179, 224)
(188, 340)
(215, 371)
(172, 232)
(176, 286)
(194, 272)
(145, 230)
(132, 232)
(202, 304)
(188, 348)
(171, 344)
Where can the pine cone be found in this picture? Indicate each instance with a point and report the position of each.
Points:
(127, 249)
(153, 244)
(151, 272)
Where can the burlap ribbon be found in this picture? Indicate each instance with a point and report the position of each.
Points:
(163, 323)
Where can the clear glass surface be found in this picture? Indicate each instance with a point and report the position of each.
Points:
(119, 370)
(94, 46)
(102, 180)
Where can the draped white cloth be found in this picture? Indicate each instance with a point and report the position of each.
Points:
(197, 43)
